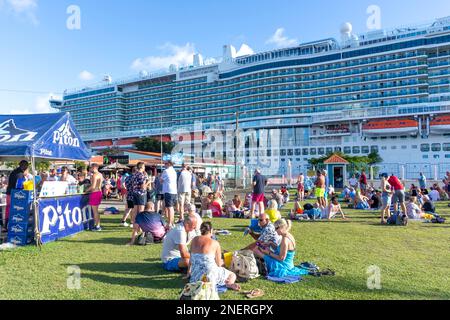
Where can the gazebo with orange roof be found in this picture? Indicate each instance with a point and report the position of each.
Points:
(337, 170)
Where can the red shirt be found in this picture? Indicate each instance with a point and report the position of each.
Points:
(363, 179)
(395, 183)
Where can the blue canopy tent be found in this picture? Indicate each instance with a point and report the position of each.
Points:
(41, 136)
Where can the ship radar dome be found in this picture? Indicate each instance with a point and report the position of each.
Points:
(346, 28)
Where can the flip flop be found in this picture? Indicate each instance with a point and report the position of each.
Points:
(256, 293)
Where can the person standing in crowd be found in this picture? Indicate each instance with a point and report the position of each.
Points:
(399, 194)
(320, 189)
(139, 186)
(128, 186)
(184, 188)
(67, 177)
(301, 187)
(259, 185)
(53, 176)
(83, 182)
(159, 194)
(12, 182)
(169, 184)
(363, 182)
(95, 197)
(353, 182)
(175, 253)
(422, 182)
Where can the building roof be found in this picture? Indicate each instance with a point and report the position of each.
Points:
(335, 159)
(143, 153)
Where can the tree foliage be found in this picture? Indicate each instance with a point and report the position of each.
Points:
(110, 152)
(358, 162)
(154, 145)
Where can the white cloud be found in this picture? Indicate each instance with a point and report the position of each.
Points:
(178, 55)
(19, 8)
(41, 105)
(280, 40)
(86, 76)
(245, 51)
(23, 5)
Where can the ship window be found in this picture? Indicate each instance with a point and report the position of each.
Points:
(446, 147)
(290, 152)
(365, 150)
(425, 156)
(298, 152)
(283, 152)
(404, 147)
(313, 151)
(414, 146)
(356, 150)
(404, 137)
(329, 150)
(269, 153)
(374, 149)
(383, 148)
(436, 147)
(338, 149)
(305, 152)
(321, 151)
(425, 147)
(436, 156)
(394, 147)
(347, 150)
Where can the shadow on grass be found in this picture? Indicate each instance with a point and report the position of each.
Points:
(353, 285)
(110, 241)
(142, 275)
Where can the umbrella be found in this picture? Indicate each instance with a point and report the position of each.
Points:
(116, 166)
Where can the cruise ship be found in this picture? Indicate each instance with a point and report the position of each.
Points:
(385, 91)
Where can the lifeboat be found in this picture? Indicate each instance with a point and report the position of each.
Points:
(391, 127)
(440, 124)
(101, 144)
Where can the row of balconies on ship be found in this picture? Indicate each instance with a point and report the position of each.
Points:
(294, 93)
(312, 70)
(221, 88)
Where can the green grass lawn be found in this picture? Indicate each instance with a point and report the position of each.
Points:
(414, 263)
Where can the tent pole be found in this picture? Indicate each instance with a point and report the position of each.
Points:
(37, 234)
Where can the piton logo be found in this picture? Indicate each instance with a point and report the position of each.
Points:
(10, 133)
(65, 136)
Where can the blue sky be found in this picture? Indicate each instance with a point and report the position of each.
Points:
(39, 53)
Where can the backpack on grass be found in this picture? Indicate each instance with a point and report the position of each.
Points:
(200, 290)
(244, 265)
(145, 239)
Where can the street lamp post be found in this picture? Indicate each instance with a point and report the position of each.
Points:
(161, 138)
(236, 150)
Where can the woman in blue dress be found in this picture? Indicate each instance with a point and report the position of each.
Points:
(280, 263)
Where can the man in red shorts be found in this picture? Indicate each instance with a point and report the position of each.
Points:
(259, 184)
(96, 195)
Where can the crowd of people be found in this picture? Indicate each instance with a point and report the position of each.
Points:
(171, 206)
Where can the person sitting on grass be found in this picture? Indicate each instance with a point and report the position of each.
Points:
(267, 235)
(428, 206)
(361, 201)
(375, 200)
(217, 206)
(272, 211)
(206, 260)
(333, 209)
(413, 210)
(175, 254)
(206, 203)
(281, 262)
